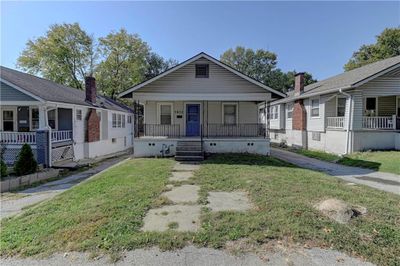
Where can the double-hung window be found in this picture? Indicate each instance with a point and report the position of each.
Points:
(289, 110)
(52, 114)
(34, 118)
(230, 114)
(341, 107)
(370, 106)
(114, 120)
(165, 111)
(314, 107)
(79, 114)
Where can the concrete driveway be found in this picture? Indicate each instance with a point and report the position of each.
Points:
(379, 180)
(15, 202)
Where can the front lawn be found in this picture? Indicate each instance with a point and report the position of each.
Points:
(105, 214)
(385, 161)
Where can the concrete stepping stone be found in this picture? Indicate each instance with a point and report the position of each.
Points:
(181, 176)
(186, 166)
(183, 194)
(174, 217)
(228, 201)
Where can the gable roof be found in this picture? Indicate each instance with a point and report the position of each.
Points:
(347, 80)
(192, 59)
(45, 90)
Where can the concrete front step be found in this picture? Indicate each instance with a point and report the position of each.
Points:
(188, 148)
(189, 153)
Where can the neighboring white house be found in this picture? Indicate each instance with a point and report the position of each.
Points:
(201, 105)
(354, 111)
(82, 124)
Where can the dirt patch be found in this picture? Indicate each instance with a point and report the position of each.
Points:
(339, 210)
(183, 194)
(173, 217)
(228, 201)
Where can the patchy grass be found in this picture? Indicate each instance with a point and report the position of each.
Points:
(105, 214)
(385, 161)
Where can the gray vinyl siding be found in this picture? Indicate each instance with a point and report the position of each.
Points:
(8, 93)
(386, 106)
(183, 80)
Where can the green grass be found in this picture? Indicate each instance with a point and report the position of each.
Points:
(385, 161)
(105, 214)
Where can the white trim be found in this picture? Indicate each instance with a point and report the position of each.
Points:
(200, 55)
(22, 90)
(376, 75)
(159, 111)
(142, 97)
(184, 115)
(20, 103)
(319, 108)
(223, 112)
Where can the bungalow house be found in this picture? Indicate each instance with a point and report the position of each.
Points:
(79, 124)
(354, 111)
(201, 105)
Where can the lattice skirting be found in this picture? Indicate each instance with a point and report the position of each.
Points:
(11, 152)
(62, 153)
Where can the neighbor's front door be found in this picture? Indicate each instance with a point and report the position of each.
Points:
(192, 120)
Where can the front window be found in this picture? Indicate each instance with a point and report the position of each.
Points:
(34, 118)
(314, 107)
(341, 106)
(52, 118)
(290, 110)
(8, 120)
(370, 107)
(165, 114)
(230, 113)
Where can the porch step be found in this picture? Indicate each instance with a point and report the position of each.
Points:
(189, 150)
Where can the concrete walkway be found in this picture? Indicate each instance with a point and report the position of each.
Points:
(13, 205)
(379, 180)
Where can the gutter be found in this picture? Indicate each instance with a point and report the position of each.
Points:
(350, 97)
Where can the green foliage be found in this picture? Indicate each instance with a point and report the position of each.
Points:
(3, 169)
(64, 55)
(387, 45)
(26, 163)
(261, 65)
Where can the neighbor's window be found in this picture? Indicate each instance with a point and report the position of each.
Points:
(34, 118)
(99, 115)
(202, 70)
(129, 119)
(230, 113)
(273, 112)
(314, 107)
(370, 106)
(78, 114)
(261, 115)
(52, 118)
(290, 110)
(123, 121)
(165, 114)
(114, 120)
(341, 106)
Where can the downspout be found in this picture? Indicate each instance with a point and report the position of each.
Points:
(350, 97)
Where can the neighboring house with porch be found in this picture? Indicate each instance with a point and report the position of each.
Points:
(354, 111)
(201, 105)
(76, 124)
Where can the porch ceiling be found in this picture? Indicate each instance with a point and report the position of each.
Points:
(202, 96)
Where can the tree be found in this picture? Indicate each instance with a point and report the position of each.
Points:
(156, 64)
(261, 65)
(387, 45)
(64, 55)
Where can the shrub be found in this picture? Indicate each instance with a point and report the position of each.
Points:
(26, 163)
(3, 169)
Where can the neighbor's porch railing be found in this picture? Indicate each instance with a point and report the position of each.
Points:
(61, 135)
(379, 122)
(234, 130)
(335, 122)
(157, 130)
(18, 137)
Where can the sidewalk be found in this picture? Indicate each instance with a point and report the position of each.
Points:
(48, 190)
(379, 180)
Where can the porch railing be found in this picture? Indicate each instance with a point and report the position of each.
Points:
(156, 130)
(234, 130)
(17, 137)
(335, 122)
(379, 122)
(61, 135)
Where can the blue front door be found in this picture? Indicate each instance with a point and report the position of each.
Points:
(192, 120)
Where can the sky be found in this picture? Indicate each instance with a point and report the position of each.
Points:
(317, 37)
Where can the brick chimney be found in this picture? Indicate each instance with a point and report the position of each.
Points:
(90, 87)
(92, 126)
(299, 83)
(299, 118)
